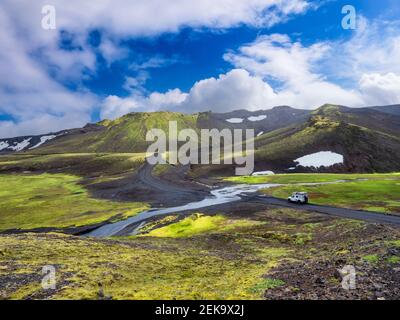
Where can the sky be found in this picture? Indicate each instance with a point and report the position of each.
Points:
(106, 58)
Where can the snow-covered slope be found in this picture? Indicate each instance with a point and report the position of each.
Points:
(43, 140)
(25, 143)
(320, 159)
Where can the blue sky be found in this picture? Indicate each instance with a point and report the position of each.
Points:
(108, 59)
(199, 54)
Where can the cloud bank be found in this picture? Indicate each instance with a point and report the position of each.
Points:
(42, 73)
(277, 70)
(41, 80)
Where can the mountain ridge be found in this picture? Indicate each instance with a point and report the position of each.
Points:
(368, 138)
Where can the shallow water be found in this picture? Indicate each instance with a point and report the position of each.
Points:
(218, 196)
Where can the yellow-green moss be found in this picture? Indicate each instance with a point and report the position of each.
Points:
(137, 269)
(197, 224)
(54, 200)
(372, 258)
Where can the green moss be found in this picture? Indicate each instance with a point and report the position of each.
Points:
(198, 224)
(372, 258)
(302, 238)
(266, 284)
(54, 200)
(283, 237)
(393, 259)
(145, 268)
(378, 192)
(394, 243)
(342, 252)
(82, 164)
(309, 178)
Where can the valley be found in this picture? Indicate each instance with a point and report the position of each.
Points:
(198, 231)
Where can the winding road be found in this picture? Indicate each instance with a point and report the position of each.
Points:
(228, 194)
(369, 216)
(145, 174)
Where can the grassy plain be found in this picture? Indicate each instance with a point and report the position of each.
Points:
(54, 200)
(372, 192)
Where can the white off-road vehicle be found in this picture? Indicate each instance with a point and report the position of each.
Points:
(299, 197)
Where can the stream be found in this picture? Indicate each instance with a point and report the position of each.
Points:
(218, 196)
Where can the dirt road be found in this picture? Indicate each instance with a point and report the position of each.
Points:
(145, 187)
(368, 216)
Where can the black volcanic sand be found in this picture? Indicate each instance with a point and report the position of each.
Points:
(174, 188)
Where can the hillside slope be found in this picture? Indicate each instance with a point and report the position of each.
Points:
(261, 121)
(367, 145)
(125, 134)
(367, 138)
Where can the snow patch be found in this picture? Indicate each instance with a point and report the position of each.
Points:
(319, 159)
(3, 145)
(20, 146)
(43, 140)
(263, 173)
(260, 134)
(234, 120)
(257, 118)
(292, 168)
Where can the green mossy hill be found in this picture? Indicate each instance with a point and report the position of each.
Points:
(365, 147)
(125, 134)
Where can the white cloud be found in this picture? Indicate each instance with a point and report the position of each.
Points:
(33, 67)
(274, 70)
(277, 57)
(42, 123)
(30, 95)
(294, 67)
(153, 62)
(374, 48)
(111, 51)
(380, 89)
(135, 18)
(114, 106)
(236, 89)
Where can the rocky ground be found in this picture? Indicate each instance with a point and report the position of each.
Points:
(270, 253)
(376, 260)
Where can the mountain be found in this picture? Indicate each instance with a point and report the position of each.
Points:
(27, 142)
(394, 109)
(380, 119)
(367, 138)
(125, 134)
(262, 121)
(369, 141)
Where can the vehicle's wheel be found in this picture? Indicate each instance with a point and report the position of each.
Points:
(298, 202)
